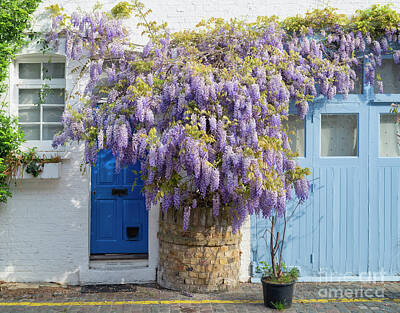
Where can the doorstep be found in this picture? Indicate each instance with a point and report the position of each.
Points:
(118, 271)
(118, 264)
(138, 275)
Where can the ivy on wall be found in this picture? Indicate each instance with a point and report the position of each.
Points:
(15, 17)
(10, 139)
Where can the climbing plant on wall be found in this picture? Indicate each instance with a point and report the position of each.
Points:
(10, 140)
(15, 16)
(203, 109)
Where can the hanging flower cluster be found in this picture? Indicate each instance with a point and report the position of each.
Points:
(204, 111)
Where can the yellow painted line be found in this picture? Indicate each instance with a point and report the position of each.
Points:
(344, 300)
(104, 303)
(93, 303)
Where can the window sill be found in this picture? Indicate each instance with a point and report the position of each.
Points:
(50, 171)
(45, 150)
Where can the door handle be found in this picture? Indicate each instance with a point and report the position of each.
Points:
(119, 192)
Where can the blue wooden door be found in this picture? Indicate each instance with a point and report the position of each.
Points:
(298, 246)
(340, 190)
(384, 192)
(119, 219)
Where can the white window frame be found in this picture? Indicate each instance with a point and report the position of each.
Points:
(16, 83)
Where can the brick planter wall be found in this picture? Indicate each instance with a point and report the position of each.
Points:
(203, 259)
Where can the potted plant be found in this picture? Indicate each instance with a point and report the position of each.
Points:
(277, 279)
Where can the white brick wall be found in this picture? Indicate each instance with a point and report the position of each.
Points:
(44, 229)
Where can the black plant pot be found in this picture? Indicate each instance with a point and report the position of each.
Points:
(277, 295)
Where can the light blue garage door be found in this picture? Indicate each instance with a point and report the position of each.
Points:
(350, 224)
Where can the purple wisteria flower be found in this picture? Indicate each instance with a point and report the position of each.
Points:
(205, 118)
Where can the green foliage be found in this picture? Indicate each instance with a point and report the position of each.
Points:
(15, 17)
(16, 163)
(33, 165)
(278, 305)
(288, 275)
(14, 21)
(10, 140)
(122, 10)
(10, 136)
(54, 10)
(376, 20)
(395, 108)
(318, 19)
(150, 28)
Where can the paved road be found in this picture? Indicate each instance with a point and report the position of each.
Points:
(340, 297)
(208, 308)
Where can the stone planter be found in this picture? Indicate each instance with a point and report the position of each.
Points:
(204, 258)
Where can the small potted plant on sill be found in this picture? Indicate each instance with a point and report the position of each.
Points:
(277, 279)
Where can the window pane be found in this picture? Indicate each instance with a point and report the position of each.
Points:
(53, 70)
(29, 96)
(29, 70)
(296, 140)
(52, 114)
(388, 139)
(389, 72)
(339, 135)
(29, 114)
(50, 130)
(31, 132)
(54, 96)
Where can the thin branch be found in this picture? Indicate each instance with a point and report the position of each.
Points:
(294, 210)
(271, 248)
(283, 240)
(276, 242)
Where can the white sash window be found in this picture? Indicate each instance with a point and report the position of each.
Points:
(38, 97)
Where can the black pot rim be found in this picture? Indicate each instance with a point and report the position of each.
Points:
(265, 280)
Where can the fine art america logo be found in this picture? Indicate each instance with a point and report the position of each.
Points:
(351, 292)
(368, 285)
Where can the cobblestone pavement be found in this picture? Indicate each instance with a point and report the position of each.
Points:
(309, 297)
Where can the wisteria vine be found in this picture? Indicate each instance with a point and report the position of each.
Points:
(203, 110)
